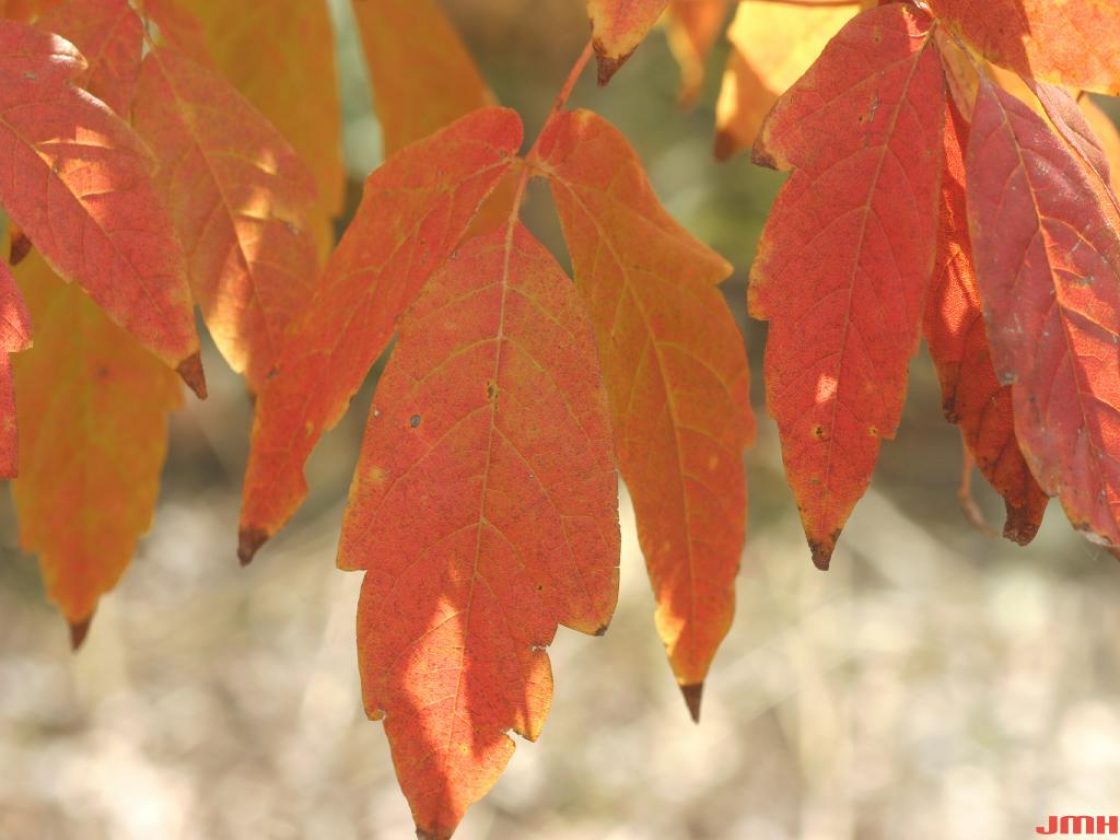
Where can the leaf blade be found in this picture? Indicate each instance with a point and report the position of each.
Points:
(850, 224)
(484, 508)
(15, 335)
(679, 405)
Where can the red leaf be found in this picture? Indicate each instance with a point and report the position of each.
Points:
(845, 258)
(240, 198)
(958, 343)
(15, 335)
(484, 508)
(415, 210)
(1047, 261)
(676, 376)
(111, 36)
(77, 182)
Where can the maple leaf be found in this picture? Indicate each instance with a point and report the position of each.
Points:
(617, 27)
(78, 185)
(484, 509)
(1072, 43)
(846, 255)
(772, 45)
(414, 211)
(280, 56)
(240, 197)
(1048, 264)
(954, 328)
(676, 375)
(442, 82)
(93, 407)
(15, 335)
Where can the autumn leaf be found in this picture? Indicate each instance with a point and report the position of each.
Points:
(423, 78)
(1071, 43)
(845, 259)
(693, 27)
(772, 45)
(1108, 138)
(240, 198)
(93, 407)
(77, 182)
(415, 209)
(280, 56)
(15, 335)
(954, 328)
(112, 37)
(676, 376)
(617, 27)
(1047, 261)
(25, 11)
(484, 509)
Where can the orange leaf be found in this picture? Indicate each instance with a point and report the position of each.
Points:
(77, 183)
(111, 36)
(1047, 261)
(423, 77)
(846, 255)
(240, 198)
(485, 511)
(280, 56)
(15, 335)
(415, 210)
(617, 27)
(772, 45)
(1072, 43)
(958, 343)
(694, 27)
(676, 375)
(93, 407)
(25, 10)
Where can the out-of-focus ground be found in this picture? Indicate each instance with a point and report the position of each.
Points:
(937, 683)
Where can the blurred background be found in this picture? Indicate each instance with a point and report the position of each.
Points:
(937, 683)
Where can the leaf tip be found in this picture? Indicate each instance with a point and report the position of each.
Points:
(607, 65)
(19, 248)
(725, 145)
(424, 834)
(78, 631)
(190, 370)
(822, 551)
(1020, 526)
(249, 542)
(693, 694)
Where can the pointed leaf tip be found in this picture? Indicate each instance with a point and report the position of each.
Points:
(20, 246)
(190, 369)
(693, 694)
(607, 66)
(78, 632)
(822, 553)
(249, 542)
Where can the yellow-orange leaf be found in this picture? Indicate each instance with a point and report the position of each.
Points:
(617, 27)
(693, 27)
(1072, 42)
(415, 210)
(280, 56)
(93, 407)
(15, 335)
(484, 509)
(240, 198)
(772, 44)
(676, 375)
(846, 256)
(423, 77)
(1108, 136)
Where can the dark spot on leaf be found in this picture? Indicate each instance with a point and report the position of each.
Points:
(414, 420)
(491, 390)
(818, 432)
